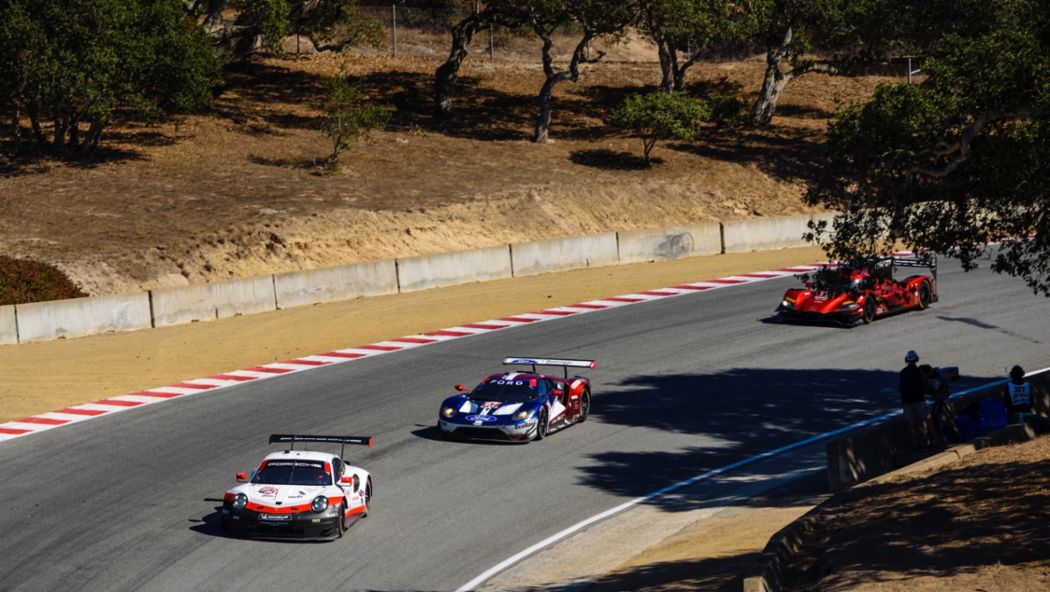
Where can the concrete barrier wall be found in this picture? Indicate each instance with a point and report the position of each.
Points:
(765, 233)
(206, 302)
(244, 296)
(8, 325)
(335, 283)
(82, 316)
(88, 316)
(564, 253)
(670, 243)
(449, 269)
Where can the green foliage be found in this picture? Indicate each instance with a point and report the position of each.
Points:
(336, 23)
(75, 63)
(957, 161)
(25, 280)
(659, 116)
(268, 18)
(349, 115)
(728, 110)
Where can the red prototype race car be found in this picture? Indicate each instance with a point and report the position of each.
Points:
(862, 291)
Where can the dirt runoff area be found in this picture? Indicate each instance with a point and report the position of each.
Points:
(981, 524)
(239, 191)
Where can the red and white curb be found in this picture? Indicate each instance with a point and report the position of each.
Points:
(87, 411)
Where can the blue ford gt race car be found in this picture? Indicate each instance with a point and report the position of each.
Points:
(518, 406)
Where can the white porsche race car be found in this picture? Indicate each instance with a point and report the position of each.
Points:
(299, 493)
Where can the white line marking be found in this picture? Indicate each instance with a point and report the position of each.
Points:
(506, 563)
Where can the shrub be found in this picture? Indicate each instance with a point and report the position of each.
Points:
(350, 115)
(659, 116)
(25, 280)
(729, 111)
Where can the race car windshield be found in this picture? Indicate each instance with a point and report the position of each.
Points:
(278, 472)
(507, 391)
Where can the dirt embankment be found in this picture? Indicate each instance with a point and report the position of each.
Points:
(980, 524)
(237, 191)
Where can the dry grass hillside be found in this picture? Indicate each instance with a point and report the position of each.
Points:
(237, 191)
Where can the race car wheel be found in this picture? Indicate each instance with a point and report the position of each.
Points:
(925, 295)
(868, 314)
(585, 407)
(541, 425)
(340, 525)
(368, 496)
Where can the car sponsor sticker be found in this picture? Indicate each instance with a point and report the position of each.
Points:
(268, 491)
(275, 517)
(480, 419)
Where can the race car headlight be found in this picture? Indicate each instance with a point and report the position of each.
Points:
(786, 304)
(320, 504)
(521, 414)
(239, 501)
(448, 412)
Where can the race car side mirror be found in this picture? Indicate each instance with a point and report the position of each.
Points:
(558, 392)
(242, 477)
(460, 388)
(347, 480)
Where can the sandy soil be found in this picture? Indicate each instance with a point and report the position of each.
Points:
(43, 376)
(237, 192)
(696, 559)
(980, 524)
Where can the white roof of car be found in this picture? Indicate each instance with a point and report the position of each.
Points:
(300, 455)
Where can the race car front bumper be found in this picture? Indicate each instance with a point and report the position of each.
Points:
(843, 317)
(304, 525)
(520, 432)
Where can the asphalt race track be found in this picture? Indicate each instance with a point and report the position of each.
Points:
(685, 384)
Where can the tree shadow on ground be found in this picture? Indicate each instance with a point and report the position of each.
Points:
(612, 160)
(33, 160)
(736, 414)
(953, 522)
(787, 153)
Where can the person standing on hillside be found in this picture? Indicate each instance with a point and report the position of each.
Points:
(913, 387)
(1017, 395)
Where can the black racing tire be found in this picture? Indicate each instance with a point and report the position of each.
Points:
(340, 525)
(368, 497)
(541, 425)
(585, 406)
(925, 296)
(868, 314)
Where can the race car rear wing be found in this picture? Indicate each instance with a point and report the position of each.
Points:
(341, 440)
(925, 260)
(565, 364)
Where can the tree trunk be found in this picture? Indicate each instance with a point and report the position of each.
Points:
(667, 69)
(16, 132)
(649, 144)
(773, 82)
(38, 133)
(543, 121)
(92, 137)
(766, 104)
(74, 133)
(447, 74)
(775, 79)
